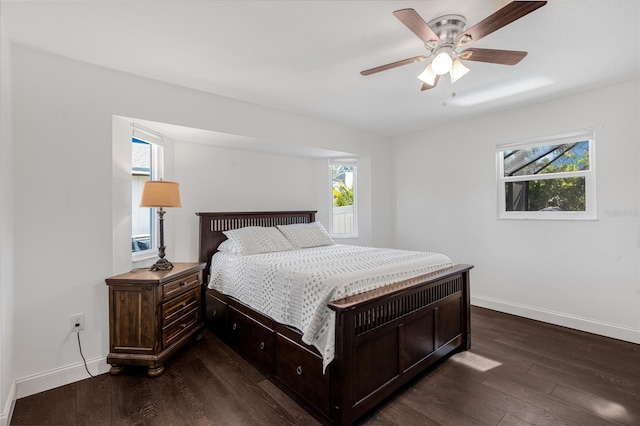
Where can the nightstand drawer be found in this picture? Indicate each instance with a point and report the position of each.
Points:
(178, 286)
(177, 307)
(175, 330)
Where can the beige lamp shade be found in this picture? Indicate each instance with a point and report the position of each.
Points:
(160, 193)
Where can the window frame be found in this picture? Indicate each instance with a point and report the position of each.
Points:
(156, 142)
(590, 212)
(354, 164)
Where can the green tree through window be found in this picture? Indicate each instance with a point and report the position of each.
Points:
(343, 188)
(566, 194)
(542, 179)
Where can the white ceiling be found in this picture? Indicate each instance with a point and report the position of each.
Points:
(304, 57)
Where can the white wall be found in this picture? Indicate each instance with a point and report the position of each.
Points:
(581, 274)
(72, 219)
(221, 179)
(7, 375)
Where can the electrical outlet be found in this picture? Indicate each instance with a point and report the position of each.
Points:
(77, 322)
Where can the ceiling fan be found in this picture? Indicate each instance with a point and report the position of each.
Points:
(446, 35)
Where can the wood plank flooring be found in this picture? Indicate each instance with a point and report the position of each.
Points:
(518, 372)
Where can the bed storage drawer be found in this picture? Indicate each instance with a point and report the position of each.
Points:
(301, 371)
(216, 314)
(253, 340)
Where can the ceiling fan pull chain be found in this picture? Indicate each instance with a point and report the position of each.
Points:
(445, 89)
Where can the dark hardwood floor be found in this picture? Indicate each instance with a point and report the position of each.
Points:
(518, 372)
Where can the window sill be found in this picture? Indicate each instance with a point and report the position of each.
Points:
(141, 256)
(345, 237)
(549, 217)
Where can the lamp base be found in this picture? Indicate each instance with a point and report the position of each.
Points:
(162, 265)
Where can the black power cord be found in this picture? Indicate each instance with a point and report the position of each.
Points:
(82, 355)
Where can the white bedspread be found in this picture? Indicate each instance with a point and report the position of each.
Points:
(294, 287)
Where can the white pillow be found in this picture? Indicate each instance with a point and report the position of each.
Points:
(229, 246)
(256, 239)
(303, 235)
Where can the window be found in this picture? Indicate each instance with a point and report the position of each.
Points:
(547, 178)
(344, 200)
(146, 164)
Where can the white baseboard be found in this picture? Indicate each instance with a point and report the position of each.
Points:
(5, 416)
(615, 331)
(46, 380)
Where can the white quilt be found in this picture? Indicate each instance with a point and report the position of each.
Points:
(294, 287)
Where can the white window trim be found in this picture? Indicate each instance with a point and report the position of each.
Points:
(344, 162)
(156, 140)
(590, 212)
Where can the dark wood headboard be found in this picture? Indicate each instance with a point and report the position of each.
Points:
(212, 226)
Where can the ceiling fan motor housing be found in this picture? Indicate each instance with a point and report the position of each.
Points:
(447, 28)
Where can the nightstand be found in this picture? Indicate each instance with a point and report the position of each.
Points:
(152, 315)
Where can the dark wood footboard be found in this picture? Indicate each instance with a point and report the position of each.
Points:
(384, 337)
(384, 340)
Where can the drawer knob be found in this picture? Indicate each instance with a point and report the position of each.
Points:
(299, 370)
(261, 345)
(215, 312)
(183, 325)
(234, 326)
(183, 283)
(184, 304)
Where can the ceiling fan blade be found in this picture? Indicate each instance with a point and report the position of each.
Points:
(511, 12)
(415, 23)
(426, 86)
(393, 65)
(493, 56)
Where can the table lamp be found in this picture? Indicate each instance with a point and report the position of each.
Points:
(161, 193)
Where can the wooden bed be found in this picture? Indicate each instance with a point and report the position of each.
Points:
(384, 337)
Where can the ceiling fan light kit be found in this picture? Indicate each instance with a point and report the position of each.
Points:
(444, 35)
(458, 70)
(441, 64)
(428, 76)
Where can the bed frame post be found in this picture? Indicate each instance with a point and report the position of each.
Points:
(466, 309)
(343, 369)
